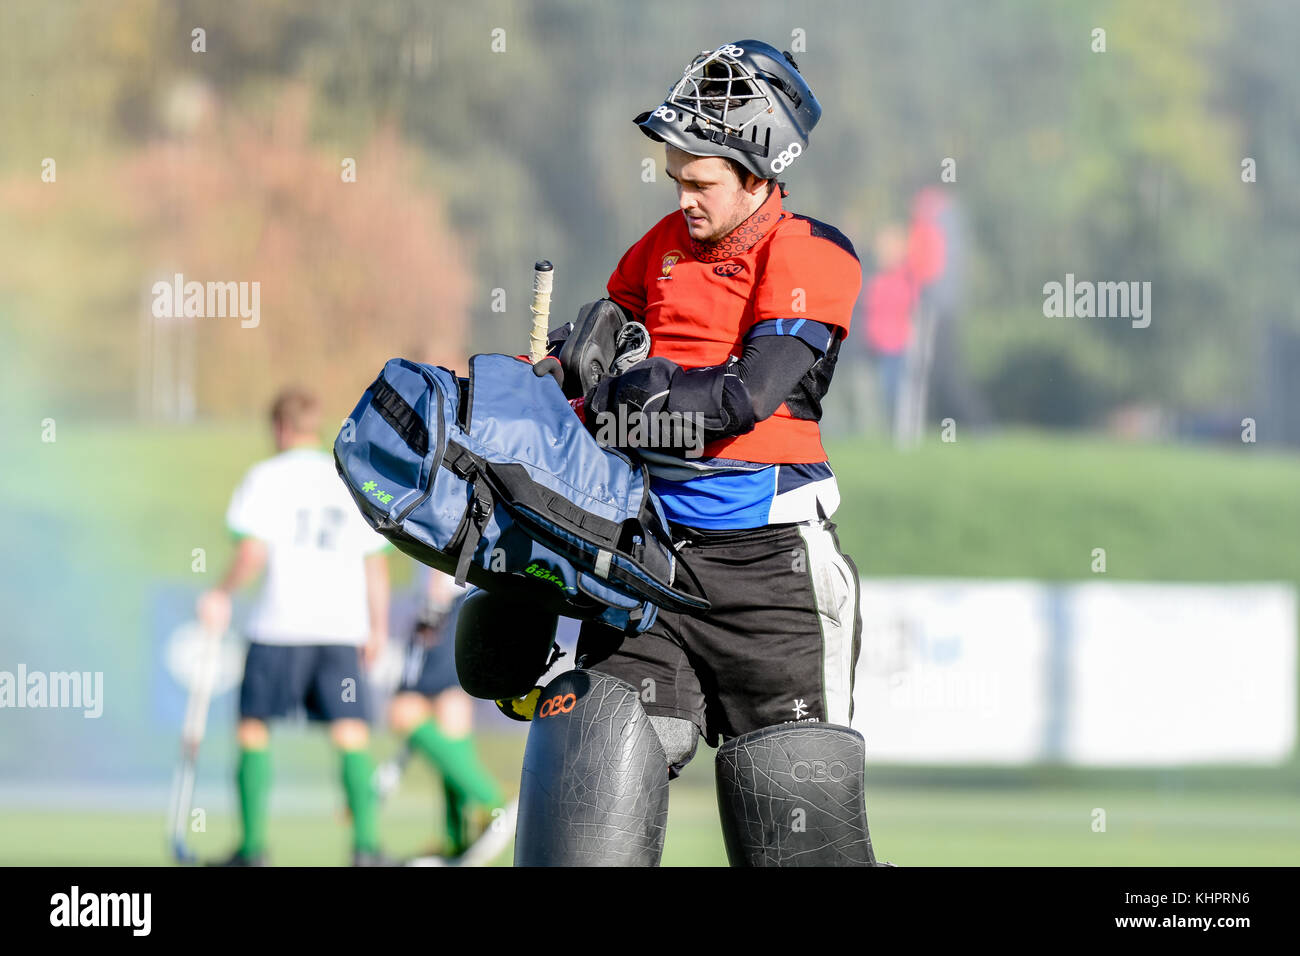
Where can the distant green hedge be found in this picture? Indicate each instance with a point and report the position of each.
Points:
(1028, 504)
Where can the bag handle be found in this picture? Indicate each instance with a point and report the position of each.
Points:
(400, 416)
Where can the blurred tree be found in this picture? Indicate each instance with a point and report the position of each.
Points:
(350, 274)
(1116, 165)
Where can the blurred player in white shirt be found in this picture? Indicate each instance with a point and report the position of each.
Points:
(321, 618)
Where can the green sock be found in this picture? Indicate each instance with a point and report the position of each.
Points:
(254, 778)
(357, 770)
(454, 805)
(458, 763)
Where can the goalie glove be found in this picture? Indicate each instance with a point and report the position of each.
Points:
(715, 397)
(631, 345)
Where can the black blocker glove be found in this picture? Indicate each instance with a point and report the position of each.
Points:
(702, 405)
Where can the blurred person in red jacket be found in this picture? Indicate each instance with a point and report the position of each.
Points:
(935, 383)
(890, 298)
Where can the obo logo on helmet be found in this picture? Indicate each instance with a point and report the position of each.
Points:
(786, 157)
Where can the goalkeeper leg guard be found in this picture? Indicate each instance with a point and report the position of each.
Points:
(595, 780)
(794, 795)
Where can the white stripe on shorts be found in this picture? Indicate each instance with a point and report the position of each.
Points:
(836, 589)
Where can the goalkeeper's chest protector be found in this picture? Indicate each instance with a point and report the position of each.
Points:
(492, 478)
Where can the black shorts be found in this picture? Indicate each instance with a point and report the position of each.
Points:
(429, 667)
(778, 646)
(325, 680)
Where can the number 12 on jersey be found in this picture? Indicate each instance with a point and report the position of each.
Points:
(318, 529)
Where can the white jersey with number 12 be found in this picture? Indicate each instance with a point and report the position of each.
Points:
(317, 542)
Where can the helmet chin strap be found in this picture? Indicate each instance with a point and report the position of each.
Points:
(721, 138)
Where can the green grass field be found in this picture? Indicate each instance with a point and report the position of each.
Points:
(1013, 505)
(954, 826)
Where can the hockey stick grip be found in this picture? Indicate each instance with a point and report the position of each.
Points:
(543, 278)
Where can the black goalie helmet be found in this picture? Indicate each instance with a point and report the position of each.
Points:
(744, 101)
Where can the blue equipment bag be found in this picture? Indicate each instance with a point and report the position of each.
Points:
(494, 479)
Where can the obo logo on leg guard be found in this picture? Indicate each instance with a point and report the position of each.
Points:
(819, 771)
(813, 772)
(559, 704)
(594, 788)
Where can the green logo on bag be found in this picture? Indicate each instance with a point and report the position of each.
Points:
(380, 495)
(545, 575)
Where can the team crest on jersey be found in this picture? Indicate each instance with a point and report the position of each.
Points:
(728, 269)
(670, 259)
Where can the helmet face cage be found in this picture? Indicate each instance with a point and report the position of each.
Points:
(717, 84)
(727, 104)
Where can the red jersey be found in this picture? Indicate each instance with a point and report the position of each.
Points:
(699, 300)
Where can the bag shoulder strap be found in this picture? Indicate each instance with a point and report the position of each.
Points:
(465, 464)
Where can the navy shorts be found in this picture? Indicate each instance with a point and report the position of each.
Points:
(429, 667)
(325, 680)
